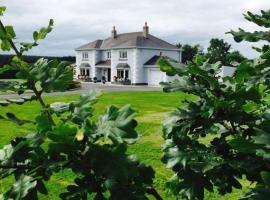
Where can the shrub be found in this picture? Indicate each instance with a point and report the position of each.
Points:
(223, 136)
(95, 151)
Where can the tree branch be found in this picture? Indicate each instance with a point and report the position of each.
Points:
(154, 193)
(37, 93)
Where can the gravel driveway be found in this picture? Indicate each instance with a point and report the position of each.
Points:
(88, 86)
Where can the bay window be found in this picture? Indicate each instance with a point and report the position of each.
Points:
(123, 73)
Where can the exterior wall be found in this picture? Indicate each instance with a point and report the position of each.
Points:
(136, 57)
(115, 60)
(143, 55)
(91, 61)
(227, 71)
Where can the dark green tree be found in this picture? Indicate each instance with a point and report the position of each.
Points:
(218, 50)
(222, 134)
(189, 51)
(235, 57)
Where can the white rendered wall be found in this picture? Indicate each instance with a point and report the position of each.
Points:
(143, 55)
(91, 61)
(227, 71)
(115, 60)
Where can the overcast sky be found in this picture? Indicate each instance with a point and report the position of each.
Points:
(177, 21)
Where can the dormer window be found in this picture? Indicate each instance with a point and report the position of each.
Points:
(109, 55)
(123, 54)
(85, 55)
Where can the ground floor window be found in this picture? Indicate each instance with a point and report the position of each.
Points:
(85, 72)
(123, 73)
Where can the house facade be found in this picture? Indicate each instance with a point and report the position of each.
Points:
(130, 57)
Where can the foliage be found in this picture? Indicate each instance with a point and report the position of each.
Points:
(189, 52)
(66, 136)
(11, 74)
(218, 50)
(234, 113)
(235, 57)
(260, 20)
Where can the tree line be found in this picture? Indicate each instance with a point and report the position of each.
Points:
(218, 50)
(6, 59)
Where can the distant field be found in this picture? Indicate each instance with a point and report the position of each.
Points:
(151, 107)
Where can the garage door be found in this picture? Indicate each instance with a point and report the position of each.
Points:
(155, 76)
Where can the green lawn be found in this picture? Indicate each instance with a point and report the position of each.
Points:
(151, 107)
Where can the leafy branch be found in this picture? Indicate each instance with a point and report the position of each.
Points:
(222, 135)
(95, 151)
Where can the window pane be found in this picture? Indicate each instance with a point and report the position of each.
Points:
(127, 74)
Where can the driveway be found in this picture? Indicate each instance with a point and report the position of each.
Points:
(90, 86)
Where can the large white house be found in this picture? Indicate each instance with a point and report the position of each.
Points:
(128, 56)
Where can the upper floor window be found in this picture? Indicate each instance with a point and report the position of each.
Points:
(85, 55)
(122, 54)
(109, 55)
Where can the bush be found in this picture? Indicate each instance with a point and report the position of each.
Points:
(74, 85)
(223, 136)
(68, 136)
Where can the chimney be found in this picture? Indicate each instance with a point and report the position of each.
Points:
(146, 30)
(114, 33)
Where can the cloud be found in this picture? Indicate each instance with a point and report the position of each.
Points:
(81, 21)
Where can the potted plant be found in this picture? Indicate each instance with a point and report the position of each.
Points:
(95, 79)
(103, 79)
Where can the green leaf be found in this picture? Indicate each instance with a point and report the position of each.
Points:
(5, 153)
(243, 145)
(63, 134)
(83, 109)
(204, 166)
(266, 177)
(2, 10)
(21, 188)
(10, 32)
(118, 125)
(60, 107)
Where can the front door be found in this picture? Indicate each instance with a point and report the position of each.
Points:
(109, 75)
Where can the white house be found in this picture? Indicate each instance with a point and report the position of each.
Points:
(128, 56)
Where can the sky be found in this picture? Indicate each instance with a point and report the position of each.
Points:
(176, 21)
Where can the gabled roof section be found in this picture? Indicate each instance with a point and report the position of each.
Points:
(91, 45)
(129, 40)
(154, 60)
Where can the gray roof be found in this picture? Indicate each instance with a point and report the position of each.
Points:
(154, 60)
(102, 62)
(122, 65)
(91, 45)
(84, 65)
(128, 40)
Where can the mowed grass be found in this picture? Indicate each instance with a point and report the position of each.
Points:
(151, 108)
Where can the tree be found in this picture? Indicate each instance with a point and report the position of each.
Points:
(235, 58)
(222, 134)
(218, 50)
(66, 136)
(189, 52)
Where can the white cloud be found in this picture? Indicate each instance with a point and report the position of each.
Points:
(80, 21)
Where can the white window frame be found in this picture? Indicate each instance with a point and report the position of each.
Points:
(125, 73)
(85, 55)
(123, 54)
